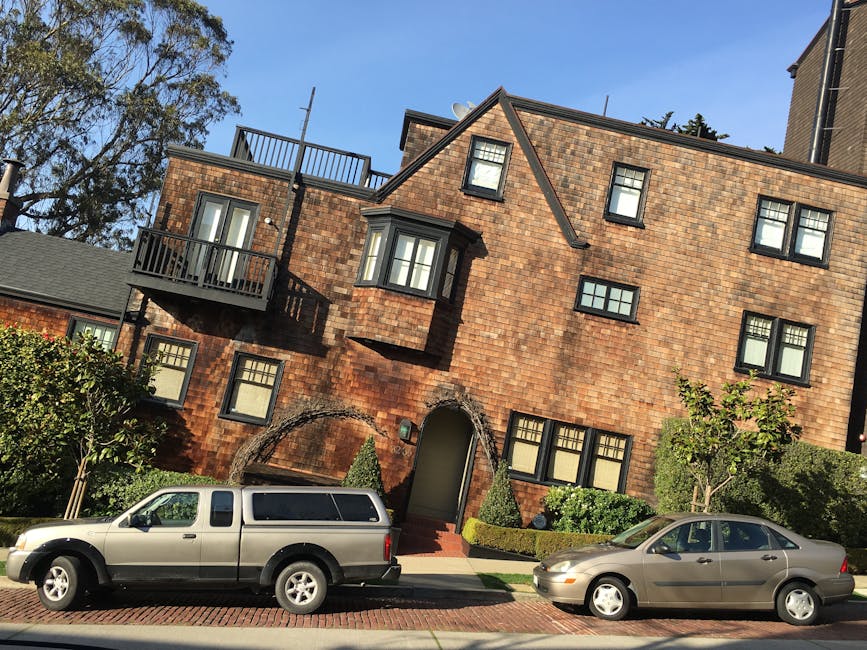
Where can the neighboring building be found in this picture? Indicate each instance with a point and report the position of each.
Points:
(522, 288)
(830, 92)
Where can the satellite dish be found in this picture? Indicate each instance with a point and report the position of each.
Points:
(461, 110)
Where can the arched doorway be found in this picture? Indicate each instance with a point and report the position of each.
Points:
(443, 466)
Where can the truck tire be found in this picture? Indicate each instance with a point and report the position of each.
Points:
(301, 588)
(60, 586)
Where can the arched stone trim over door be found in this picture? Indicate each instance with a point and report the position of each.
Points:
(444, 461)
(260, 447)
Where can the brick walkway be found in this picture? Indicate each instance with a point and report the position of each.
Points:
(846, 622)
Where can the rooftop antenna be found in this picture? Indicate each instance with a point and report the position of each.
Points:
(462, 110)
(605, 107)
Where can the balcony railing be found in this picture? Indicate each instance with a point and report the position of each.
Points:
(202, 269)
(323, 162)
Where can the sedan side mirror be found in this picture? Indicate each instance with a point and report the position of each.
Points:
(661, 548)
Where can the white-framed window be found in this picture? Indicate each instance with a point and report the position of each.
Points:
(606, 298)
(102, 332)
(792, 231)
(486, 167)
(542, 450)
(412, 253)
(252, 388)
(775, 348)
(174, 366)
(626, 195)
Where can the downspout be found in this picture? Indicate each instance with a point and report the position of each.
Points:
(296, 168)
(822, 105)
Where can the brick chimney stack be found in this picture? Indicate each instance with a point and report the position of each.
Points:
(9, 205)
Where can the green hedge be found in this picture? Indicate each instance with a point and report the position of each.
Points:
(588, 510)
(525, 541)
(816, 492)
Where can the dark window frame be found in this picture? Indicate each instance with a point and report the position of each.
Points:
(229, 203)
(477, 190)
(74, 321)
(151, 342)
(547, 446)
(389, 225)
(774, 349)
(606, 313)
(638, 219)
(790, 234)
(225, 413)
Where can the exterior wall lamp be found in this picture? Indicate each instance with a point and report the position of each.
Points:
(404, 431)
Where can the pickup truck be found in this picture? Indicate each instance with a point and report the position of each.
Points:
(294, 540)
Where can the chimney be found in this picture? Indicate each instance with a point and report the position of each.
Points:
(9, 205)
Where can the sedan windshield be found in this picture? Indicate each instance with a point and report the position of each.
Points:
(640, 532)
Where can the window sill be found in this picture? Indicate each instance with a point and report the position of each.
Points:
(624, 221)
(245, 419)
(806, 261)
(607, 315)
(483, 194)
(803, 383)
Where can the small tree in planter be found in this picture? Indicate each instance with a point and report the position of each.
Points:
(500, 507)
(365, 471)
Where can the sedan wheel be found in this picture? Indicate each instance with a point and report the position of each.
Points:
(301, 588)
(798, 604)
(609, 599)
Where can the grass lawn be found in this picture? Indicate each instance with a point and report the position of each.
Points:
(2, 568)
(502, 581)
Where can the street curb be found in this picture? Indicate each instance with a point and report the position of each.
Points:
(433, 593)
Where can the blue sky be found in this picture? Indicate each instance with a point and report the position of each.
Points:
(371, 60)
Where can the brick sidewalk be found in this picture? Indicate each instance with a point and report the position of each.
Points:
(846, 622)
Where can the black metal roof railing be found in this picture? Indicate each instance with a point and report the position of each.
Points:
(274, 150)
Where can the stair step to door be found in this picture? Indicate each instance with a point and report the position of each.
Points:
(424, 536)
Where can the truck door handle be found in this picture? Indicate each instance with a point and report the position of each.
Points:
(189, 536)
(769, 557)
(704, 560)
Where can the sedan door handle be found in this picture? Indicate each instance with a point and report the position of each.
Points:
(704, 560)
(769, 557)
(189, 536)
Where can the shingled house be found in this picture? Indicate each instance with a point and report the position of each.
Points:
(521, 289)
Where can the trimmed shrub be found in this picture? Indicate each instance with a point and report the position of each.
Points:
(816, 492)
(588, 510)
(500, 507)
(365, 471)
(525, 541)
(119, 489)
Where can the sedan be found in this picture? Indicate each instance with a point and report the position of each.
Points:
(700, 560)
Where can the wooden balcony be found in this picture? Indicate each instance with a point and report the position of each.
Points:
(174, 264)
(273, 150)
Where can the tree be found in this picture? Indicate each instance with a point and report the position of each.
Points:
(500, 507)
(697, 126)
(66, 408)
(722, 429)
(91, 92)
(365, 471)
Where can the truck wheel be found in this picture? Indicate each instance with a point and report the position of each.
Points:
(797, 604)
(300, 588)
(60, 586)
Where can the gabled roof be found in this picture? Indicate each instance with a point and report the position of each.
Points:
(512, 105)
(64, 273)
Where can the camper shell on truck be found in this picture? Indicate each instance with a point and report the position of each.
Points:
(295, 540)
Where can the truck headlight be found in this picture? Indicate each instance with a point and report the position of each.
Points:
(21, 542)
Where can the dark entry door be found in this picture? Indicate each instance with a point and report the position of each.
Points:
(441, 465)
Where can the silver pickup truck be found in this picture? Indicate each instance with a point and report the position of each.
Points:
(296, 540)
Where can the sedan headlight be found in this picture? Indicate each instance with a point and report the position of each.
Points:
(563, 567)
(21, 542)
